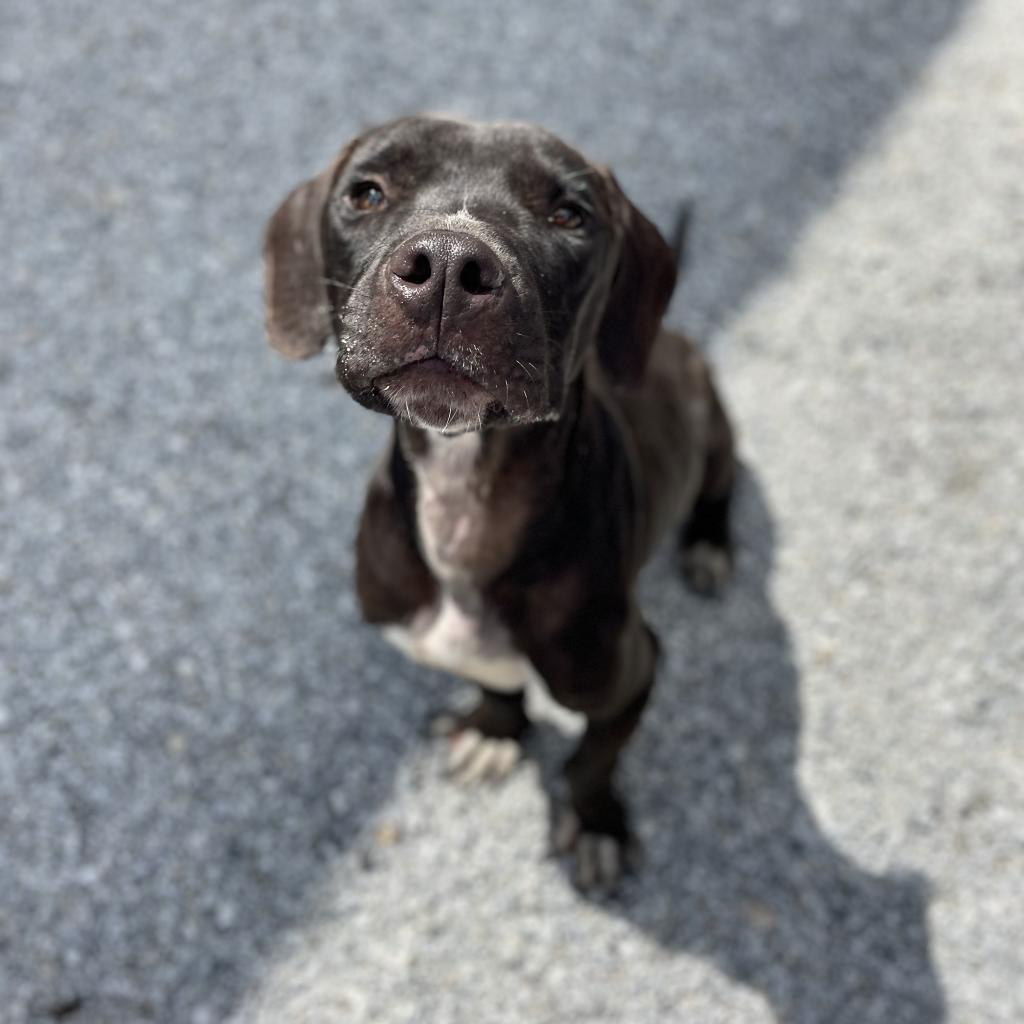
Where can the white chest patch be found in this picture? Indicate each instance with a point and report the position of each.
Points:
(449, 638)
(465, 641)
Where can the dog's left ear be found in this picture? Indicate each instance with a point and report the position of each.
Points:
(298, 315)
(639, 294)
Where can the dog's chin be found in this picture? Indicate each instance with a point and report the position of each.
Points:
(433, 395)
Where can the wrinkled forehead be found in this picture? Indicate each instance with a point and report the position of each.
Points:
(514, 160)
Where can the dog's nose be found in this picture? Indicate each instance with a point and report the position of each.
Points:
(448, 271)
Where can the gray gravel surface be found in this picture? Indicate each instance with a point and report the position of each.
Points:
(215, 800)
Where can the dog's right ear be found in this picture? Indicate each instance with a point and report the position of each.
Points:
(298, 314)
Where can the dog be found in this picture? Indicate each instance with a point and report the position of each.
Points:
(501, 299)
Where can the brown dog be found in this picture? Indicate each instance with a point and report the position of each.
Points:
(500, 297)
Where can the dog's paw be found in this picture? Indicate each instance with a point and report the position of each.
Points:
(599, 859)
(707, 568)
(474, 757)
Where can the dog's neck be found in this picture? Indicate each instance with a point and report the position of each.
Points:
(478, 493)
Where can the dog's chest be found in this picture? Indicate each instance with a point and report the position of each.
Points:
(470, 520)
(466, 538)
(459, 634)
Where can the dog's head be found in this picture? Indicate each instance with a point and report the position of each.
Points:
(465, 270)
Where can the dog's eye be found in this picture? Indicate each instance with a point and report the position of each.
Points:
(567, 215)
(366, 195)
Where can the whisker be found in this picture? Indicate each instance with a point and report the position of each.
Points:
(337, 284)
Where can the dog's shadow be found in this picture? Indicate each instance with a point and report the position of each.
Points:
(735, 868)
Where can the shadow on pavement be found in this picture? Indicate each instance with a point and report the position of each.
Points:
(736, 868)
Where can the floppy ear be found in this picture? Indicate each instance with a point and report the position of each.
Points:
(639, 295)
(298, 315)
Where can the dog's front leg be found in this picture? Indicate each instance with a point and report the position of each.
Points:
(392, 580)
(612, 690)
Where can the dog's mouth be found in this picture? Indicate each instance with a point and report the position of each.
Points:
(432, 393)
